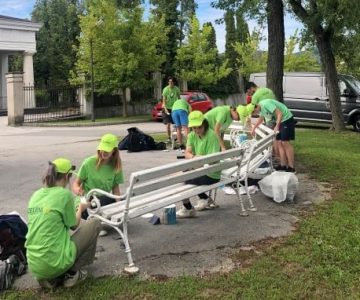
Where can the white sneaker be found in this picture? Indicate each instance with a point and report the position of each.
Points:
(71, 280)
(103, 232)
(185, 213)
(201, 205)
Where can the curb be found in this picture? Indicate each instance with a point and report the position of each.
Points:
(90, 124)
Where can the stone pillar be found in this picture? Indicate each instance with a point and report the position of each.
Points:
(28, 68)
(183, 86)
(85, 104)
(157, 85)
(15, 98)
(4, 68)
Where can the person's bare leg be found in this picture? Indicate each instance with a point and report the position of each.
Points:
(179, 135)
(168, 129)
(282, 154)
(289, 153)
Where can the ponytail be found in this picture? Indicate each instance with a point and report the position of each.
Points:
(51, 176)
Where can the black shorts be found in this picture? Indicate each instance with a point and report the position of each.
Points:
(203, 180)
(287, 130)
(167, 117)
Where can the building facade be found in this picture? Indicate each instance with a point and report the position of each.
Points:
(17, 36)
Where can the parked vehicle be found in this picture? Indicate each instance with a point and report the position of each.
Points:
(306, 95)
(197, 100)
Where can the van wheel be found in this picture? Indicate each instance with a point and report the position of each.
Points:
(356, 123)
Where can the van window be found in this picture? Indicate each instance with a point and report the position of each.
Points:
(303, 86)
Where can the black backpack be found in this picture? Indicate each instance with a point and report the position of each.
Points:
(12, 251)
(137, 141)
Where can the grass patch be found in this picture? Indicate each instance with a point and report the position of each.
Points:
(319, 261)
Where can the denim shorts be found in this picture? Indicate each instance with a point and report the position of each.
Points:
(180, 117)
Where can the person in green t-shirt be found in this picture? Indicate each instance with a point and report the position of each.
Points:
(54, 254)
(284, 126)
(258, 93)
(220, 118)
(179, 115)
(102, 171)
(201, 141)
(169, 95)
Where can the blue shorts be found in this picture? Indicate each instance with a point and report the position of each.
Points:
(180, 117)
(287, 130)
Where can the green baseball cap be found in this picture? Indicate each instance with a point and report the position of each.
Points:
(63, 165)
(108, 143)
(245, 111)
(196, 118)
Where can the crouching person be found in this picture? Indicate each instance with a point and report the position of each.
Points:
(54, 254)
(201, 141)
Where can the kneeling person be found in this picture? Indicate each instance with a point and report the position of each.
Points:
(201, 141)
(55, 254)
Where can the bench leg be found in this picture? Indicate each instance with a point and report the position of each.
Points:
(252, 207)
(243, 210)
(131, 268)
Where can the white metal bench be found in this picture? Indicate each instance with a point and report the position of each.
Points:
(155, 188)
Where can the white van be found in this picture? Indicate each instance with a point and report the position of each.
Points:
(306, 95)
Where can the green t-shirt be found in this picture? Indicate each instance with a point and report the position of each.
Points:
(219, 114)
(206, 145)
(181, 104)
(104, 178)
(50, 250)
(262, 94)
(268, 107)
(171, 95)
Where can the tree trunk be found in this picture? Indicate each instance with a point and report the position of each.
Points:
(276, 37)
(328, 61)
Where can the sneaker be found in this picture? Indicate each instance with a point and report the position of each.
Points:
(71, 280)
(103, 232)
(281, 168)
(185, 213)
(290, 169)
(201, 205)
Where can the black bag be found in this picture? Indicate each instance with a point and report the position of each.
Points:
(12, 236)
(123, 144)
(138, 141)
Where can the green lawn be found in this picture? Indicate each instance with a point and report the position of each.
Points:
(319, 261)
(101, 121)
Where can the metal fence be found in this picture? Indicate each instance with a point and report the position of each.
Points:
(48, 104)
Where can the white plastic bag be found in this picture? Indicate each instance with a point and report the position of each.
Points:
(280, 186)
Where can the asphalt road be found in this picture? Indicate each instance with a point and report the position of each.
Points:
(194, 246)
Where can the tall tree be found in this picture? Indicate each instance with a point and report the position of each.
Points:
(196, 59)
(273, 11)
(167, 9)
(250, 58)
(55, 55)
(124, 47)
(330, 22)
(230, 53)
(242, 33)
(186, 13)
